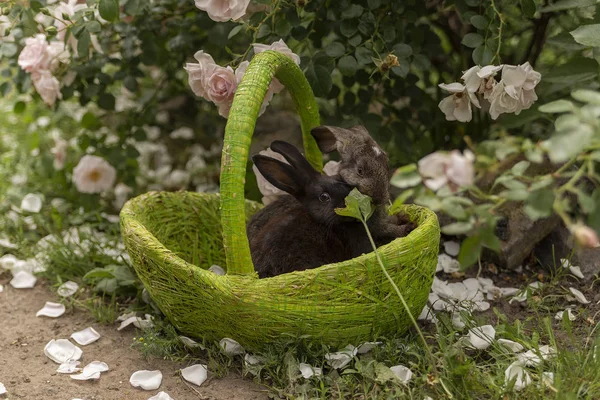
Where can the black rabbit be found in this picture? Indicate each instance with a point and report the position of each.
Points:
(300, 230)
(364, 164)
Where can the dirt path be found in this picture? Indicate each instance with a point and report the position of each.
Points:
(28, 374)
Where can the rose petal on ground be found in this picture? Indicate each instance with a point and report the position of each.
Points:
(438, 304)
(576, 271)
(548, 378)
(125, 316)
(86, 336)
(427, 315)
(547, 351)
(2, 389)
(482, 336)
(472, 284)
(138, 322)
(147, 380)
(486, 284)
(8, 261)
(215, 269)
(91, 371)
(195, 374)
(536, 285)
(510, 345)
(481, 306)
(161, 396)
(579, 296)
(402, 372)
(60, 351)
(457, 321)
(308, 371)
(565, 263)
(366, 347)
(67, 289)
(31, 203)
(515, 372)
(451, 248)
(191, 343)
(69, 367)
(448, 264)
(52, 310)
(520, 298)
(231, 347)
(559, 315)
(341, 358)
(86, 377)
(529, 358)
(23, 280)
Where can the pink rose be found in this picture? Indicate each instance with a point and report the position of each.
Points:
(198, 73)
(220, 88)
(585, 236)
(47, 86)
(34, 55)
(223, 10)
(440, 169)
(279, 46)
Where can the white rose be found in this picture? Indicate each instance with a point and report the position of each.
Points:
(270, 193)
(60, 153)
(93, 175)
(481, 80)
(458, 105)
(34, 56)
(198, 73)
(440, 168)
(504, 100)
(47, 86)
(69, 8)
(220, 88)
(223, 10)
(279, 46)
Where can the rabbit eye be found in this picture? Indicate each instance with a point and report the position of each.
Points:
(359, 171)
(324, 197)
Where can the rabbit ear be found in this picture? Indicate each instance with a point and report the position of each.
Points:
(327, 137)
(280, 175)
(294, 157)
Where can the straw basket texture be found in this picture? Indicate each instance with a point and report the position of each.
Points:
(173, 238)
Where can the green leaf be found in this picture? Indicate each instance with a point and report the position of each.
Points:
(83, 44)
(569, 142)
(472, 40)
(519, 168)
(363, 56)
(373, 4)
(594, 217)
(106, 101)
(453, 209)
(283, 27)
(234, 31)
(470, 249)
(457, 228)
(482, 55)
(568, 4)
(406, 176)
(479, 21)
(578, 69)
(130, 83)
(348, 28)
(403, 69)
(586, 202)
(542, 183)
(358, 206)
(402, 198)
(384, 374)
(539, 204)
(586, 96)
(89, 121)
(348, 65)
(515, 194)
(264, 30)
(529, 7)
(319, 79)
(557, 106)
(587, 35)
(402, 50)
(354, 11)
(97, 273)
(19, 107)
(109, 9)
(335, 49)
(93, 26)
(9, 49)
(35, 5)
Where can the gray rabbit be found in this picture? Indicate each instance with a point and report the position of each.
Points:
(300, 230)
(364, 164)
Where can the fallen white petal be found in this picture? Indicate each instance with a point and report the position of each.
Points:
(69, 367)
(536, 285)
(402, 372)
(125, 316)
(67, 289)
(529, 358)
(161, 396)
(565, 263)
(427, 315)
(482, 336)
(195, 374)
(190, 343)
(520, 298)
(458, 321)
(86, 377)
(308, 371)
(91, 371)
(341, 358)
(147, 380)
(2, 389)
(438, 304)
(472, 284)
(547, 351)
(515, 372)
(579, 296)
(510, 345)
(52, 310)
(23, 280)
(548, 378)
(231, 347)
(559, 315)
(486, 284)
(7, 244)
(86, 336)
(215, 269)
(60, 351)
(367, 347)
(576, 271)
(452, 248)
(481, 306)
(448, 264)
(138, 322)
(31, 203)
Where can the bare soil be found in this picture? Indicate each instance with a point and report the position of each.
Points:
(28, 374)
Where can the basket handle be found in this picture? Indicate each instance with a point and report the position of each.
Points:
(238, 135)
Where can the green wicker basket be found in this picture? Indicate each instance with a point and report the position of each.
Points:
(173, 238)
